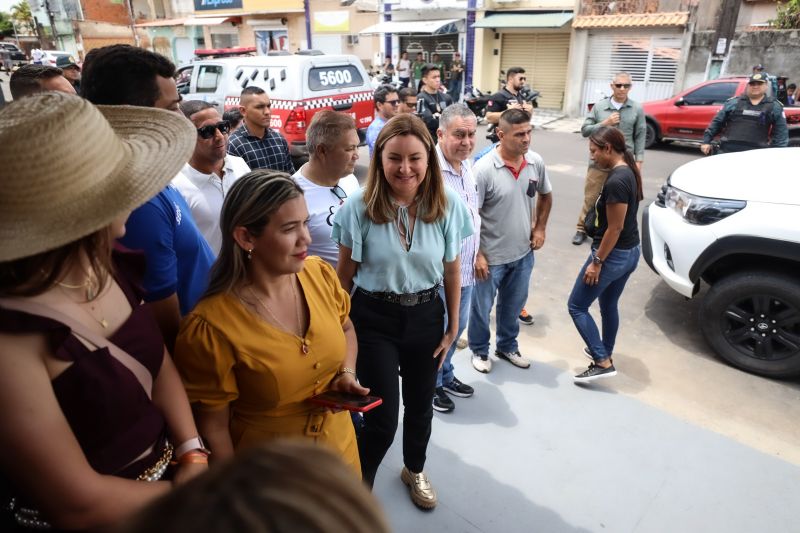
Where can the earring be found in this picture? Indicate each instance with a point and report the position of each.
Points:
(249, 254)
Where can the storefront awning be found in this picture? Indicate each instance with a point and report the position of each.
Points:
(419, 27)
(524, 20)
(205, 21)
(161, 23)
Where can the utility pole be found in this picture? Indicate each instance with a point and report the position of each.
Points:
(51, 17)
(470, 51)
(129, 5)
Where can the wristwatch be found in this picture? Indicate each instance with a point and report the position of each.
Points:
(596, 260)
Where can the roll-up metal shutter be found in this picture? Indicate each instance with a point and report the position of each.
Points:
(544, 58)
(651, 60)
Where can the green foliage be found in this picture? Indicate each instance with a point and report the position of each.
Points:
(788, 15)
(6, 28)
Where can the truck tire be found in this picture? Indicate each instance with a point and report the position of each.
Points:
(651, 137)
(752, 320)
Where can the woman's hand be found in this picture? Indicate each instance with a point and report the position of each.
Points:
(444, 345)
(346, 382)
(592, 274)
(187, 471)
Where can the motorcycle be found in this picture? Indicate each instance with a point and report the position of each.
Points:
(477, 101)
(528, 95)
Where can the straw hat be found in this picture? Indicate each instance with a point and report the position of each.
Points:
(70, 168)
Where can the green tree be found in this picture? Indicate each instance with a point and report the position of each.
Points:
(6, 28)
(21, 13)
(788, 15)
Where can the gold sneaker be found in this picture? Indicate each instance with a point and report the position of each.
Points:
(422, 493)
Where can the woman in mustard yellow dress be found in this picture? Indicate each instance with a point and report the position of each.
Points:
(271, 332)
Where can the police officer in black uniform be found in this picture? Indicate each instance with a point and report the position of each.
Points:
(752, 120)
(430, 100)
(509, 97)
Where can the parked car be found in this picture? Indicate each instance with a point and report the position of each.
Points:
(13, 52)
(685, 116)
(299, 85)
(50, 57)
(730, 221)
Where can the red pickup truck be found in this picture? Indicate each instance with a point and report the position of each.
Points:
(685, 116)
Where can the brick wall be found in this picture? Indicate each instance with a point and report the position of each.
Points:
(106, 11)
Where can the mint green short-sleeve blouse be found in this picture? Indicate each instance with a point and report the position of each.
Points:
(384, 265)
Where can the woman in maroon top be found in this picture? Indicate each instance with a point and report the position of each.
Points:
(85, 429)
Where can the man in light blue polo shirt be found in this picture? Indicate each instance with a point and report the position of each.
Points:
(456, 136)
(386, 105)
(514, 197)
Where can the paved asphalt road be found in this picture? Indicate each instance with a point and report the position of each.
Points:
(677, 442)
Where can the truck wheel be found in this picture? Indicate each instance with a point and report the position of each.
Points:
(752, 320)
(651, 138)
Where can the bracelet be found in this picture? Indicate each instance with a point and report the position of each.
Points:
(345, 370)
(195, 443)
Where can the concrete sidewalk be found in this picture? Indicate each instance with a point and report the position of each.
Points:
(533, 452)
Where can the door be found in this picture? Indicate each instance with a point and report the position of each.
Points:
(700, 104)
(544, 57)
(650, 59)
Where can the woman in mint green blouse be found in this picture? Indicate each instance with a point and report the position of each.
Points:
(399, 241)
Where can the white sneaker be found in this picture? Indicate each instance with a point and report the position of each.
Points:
(515, 358)
(482, 363)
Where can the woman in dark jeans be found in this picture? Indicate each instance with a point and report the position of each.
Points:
(615, 252)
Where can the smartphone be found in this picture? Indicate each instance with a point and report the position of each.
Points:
(347, 401)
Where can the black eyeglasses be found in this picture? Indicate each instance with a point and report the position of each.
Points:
(206, 132)
(339, 193)
(622, 85)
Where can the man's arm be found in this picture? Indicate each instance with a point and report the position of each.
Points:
(544, 203)
(639, 134)
(288, 165)
(780, 131)
(590, 122)
(716, 124)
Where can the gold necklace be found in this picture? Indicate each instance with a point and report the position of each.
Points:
(303, 345)
(90, 284)
(102, 320)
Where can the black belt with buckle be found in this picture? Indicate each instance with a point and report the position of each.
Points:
(406, 300)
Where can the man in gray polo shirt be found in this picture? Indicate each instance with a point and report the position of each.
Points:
(514, 199)
(619, 111)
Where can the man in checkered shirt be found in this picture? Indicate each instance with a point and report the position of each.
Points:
(254, 141)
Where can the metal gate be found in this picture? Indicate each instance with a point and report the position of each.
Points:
(651, 60)
(544, 58)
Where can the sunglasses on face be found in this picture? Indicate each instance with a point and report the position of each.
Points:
(206, 132)
(622, 85)
(393, 102)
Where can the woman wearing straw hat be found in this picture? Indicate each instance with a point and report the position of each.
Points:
(89, 402)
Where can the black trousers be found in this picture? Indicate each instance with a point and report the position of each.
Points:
(393, 341)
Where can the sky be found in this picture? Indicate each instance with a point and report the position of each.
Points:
(5, 5)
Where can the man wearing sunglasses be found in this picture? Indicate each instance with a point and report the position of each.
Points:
(621, 112)
(327, 179)
(752, 120)
(210, 173)
(386, 105)
(509, 96)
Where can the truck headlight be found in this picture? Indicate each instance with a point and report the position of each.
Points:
(700, 210)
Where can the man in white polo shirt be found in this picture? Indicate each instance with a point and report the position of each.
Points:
(514, 196)
(327, 179)
(210, 173)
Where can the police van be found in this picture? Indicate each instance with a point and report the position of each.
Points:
(298, 85)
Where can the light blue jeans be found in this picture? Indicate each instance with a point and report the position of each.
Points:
(446, 375)
(510, 283)
(617, 268)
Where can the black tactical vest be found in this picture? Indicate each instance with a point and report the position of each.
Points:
(750, 124)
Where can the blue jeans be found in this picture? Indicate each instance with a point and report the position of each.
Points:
(617, 268)
(446, 375)
(454, 89)
(510, 283)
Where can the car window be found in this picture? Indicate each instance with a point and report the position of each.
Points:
(208, 78)
(711, 94)
(334, 77)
